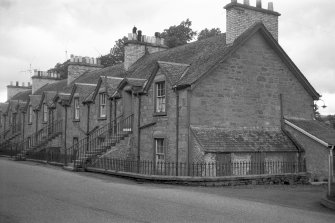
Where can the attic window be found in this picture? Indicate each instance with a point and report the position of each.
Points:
(160, 97)
(30, 114)
(45, 113)
(102, 105)
(76, 109)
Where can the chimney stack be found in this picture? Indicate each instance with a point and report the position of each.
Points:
(17, 83)
(240, 17)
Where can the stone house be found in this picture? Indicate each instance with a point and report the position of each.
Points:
(235, 97)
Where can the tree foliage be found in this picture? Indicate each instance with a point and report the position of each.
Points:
(178, 35)
(116, 54)
(206, 33)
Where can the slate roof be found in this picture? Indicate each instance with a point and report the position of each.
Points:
(112, 84)
(93, 77)
(205, 55)
(35, 101)
(223, 140)
(83, 90)
(22, 96)
(3, 107)
(316, 128)
(201, 55)
(172, 71)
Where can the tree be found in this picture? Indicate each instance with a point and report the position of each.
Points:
(206, 33)
(116, 54)
(178, 35)
(317, 114)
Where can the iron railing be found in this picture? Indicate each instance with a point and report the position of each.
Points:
(98, 142)
(38, 139)
(213, 169)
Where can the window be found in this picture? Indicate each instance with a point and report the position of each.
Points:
(102, 105)
(29, 142)
(75, 142)
(30, 114)
(76, 108)
(160, 97)
(45, 113)
(159, 149)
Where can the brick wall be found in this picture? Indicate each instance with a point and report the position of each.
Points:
(243, 92)
(316, 155)
(240, 17)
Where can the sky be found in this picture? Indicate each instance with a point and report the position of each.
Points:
(42, 33)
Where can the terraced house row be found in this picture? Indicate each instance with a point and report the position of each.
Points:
(233, 104)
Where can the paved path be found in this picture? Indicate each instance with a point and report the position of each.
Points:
(34, 193)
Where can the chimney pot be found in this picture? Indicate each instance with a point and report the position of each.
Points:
(246, 2)
(11, 83)
(139, 35)
(233, 1)
(28, 84)
(134, 30)
(22, 84)
(17, 83)
(259, 3)
(270, 6)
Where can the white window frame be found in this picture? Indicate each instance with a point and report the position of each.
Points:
(30, 114)
(45, 112)
(102, 105)
(160, 150)
(76, 109)
(160, 105)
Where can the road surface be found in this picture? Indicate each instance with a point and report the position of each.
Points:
(37, 193)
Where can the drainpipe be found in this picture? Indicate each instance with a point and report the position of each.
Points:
(115, 111)
(65, 128)
(36, 125)
(88, 126)
(139, 133)
(330, 172)
(177, 129)
(23, 123)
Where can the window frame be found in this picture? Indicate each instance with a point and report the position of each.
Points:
(158, 97)
(160, 153)
(76, 109)
(30, 115)
(102, 107)
(45, 113)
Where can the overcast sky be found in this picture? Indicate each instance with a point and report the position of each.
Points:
(38, 32)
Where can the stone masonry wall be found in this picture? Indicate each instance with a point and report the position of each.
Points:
(165, 126)
(75, 70)
(316, 155)
(13, 90)
(240, 19)
(243, 92)
(38, 82)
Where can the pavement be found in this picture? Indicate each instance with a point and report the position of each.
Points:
(31, 192)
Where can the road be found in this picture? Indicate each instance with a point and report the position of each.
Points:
(37, 193)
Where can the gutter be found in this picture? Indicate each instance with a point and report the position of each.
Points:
(308, 134)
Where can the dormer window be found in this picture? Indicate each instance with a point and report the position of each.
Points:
(160, 98)
(102, 105)
(30, 114)
(45, 113)
(76, 109)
